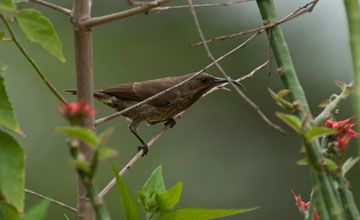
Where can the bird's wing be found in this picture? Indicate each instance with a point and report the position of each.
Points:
(125, 91)
(142, 90)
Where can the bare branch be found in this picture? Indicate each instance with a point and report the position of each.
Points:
(53, 6)
(50, 199)
(92, 22)
(209, 54)
(135, 158)
(306, 8)
(167, 8)
(116, 114)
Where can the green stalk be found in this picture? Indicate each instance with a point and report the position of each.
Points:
(290, 81)
(353, 17)
(349, 202)
(32, 62)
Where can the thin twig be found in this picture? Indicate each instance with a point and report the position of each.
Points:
(306, 8)
(50, 199)
(92, 22)
(209, 54)
(53, 6)
(159, 9)
(32, 62)
(116, 114)
(135, 158)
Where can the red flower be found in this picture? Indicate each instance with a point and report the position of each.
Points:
(316, 217)
(76, 112)
(344, 132)
(303, 207)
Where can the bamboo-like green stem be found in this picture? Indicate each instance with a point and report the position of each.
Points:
(32, 62)
(290, 81)
(353, 17)
(349, 202)
(335, 104)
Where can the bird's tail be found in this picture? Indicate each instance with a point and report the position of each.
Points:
(97, 94)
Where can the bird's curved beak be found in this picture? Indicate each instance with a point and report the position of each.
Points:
(222, 80)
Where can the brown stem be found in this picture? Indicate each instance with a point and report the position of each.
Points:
(53, 6)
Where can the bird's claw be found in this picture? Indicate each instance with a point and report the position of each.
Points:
(144, 148)
(171, 122)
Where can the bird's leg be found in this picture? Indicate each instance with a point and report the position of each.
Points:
(133, 126)
(171, 122)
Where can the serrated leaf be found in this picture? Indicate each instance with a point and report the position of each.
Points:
(81, 164)
(8, 212)
(291, 120)
(282, 93)
(331, 164)
(169, 198)
(340, 84)
(7, 5)
(319, 132)
(324, 103)
(129, 204)
(7, 115)
(200, 214)
(105, 153)
(302, 162)
(84, 134)
(155, 183)
(37, 28)
(12, 170)
(349, 163)
(37, 212)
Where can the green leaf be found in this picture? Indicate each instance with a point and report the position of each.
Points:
(319, 132)
(169, 198)
(7, 5)
(84, 134)
(8, 212)
(324, 103)
(331, 164)
(302, 162)
(200, 214)
(340, 84)
(349, 163)
(81, 164)
(105, 153)
(38, 28)
(282, 93)
(291, 120)
(12, 170)
(155, 183)
(7, 116)
(129, 204)
(37, 212)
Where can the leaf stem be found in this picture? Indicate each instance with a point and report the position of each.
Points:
(32, 62)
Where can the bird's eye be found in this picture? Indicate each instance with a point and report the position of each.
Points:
(204, 79)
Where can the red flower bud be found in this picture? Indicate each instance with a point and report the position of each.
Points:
(76, 112)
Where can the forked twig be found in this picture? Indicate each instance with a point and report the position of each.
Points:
(209, 54)
(306, 8)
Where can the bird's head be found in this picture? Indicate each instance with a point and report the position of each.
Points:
(203, 82)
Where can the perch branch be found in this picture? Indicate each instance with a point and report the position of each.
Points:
(167, 8)
(209, 54)
(53, 6)
(51, 200)
(92, 22)
(116, 114)
(306, 8)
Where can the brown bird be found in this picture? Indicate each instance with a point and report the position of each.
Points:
(163, 108)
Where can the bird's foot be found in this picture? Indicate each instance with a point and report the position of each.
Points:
(144, 148)
(170, 122)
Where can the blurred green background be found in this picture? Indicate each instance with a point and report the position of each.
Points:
(225, 155)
